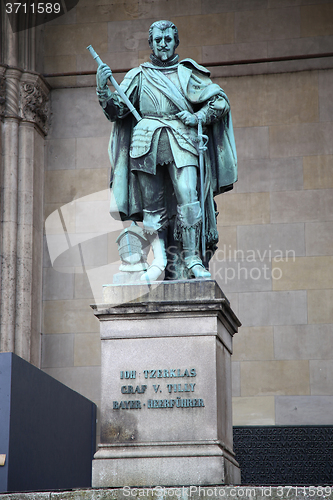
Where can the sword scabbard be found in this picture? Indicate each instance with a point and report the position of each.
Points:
(202, 148)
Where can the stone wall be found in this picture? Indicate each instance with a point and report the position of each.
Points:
(281, 208)
(274, 60)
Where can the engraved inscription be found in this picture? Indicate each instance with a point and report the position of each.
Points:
(129, 389)
(128, 374)
(178, 403)
(177, 372)
(180, 387)
(127, 405)
(170, 388)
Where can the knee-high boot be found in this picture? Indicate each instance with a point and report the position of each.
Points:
(188, 227)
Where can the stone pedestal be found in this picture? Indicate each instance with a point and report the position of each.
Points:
(166, 386)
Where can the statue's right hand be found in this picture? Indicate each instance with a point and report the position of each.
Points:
(102, 75)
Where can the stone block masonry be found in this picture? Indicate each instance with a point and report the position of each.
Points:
(166, 385)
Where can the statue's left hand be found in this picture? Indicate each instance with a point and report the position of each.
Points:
(188, 118)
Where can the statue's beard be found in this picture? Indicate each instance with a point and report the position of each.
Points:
(163, 55)
(168, 62)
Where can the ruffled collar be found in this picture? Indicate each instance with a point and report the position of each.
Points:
(164, 64)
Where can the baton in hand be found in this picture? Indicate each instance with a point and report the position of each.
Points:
(116, 86)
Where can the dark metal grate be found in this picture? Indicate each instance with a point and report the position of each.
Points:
(285, 455)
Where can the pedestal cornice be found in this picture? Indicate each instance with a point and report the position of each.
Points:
(167, 298)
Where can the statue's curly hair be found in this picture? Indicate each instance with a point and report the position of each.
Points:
(163, 25)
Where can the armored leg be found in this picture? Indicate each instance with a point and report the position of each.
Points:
(155, 221)
(188, 229)
(155, 226)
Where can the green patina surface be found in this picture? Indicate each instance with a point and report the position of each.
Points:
(172, 150)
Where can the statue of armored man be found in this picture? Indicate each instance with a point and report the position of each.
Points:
(172, 149)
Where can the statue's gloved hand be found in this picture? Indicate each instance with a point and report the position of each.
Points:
(103, 92)
(220, 106)
(102, 76)
(188, 118)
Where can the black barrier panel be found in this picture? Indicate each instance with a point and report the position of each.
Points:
(47, 430)
(285, 455)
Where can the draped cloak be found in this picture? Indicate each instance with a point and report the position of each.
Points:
(220, 157)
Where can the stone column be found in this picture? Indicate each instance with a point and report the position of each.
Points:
(33, 112)
(166, 414)
(10, 128)
(24, 113)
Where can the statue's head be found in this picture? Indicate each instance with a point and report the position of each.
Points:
(163, 39)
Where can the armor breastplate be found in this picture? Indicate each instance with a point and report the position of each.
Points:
(159, 112)
(153, 102)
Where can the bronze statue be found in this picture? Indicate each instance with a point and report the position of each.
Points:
(156, 153)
